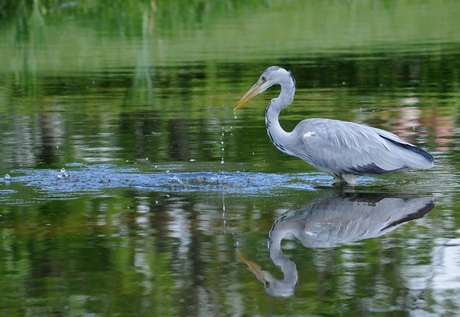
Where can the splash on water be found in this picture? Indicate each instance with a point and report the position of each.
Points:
(97, 178)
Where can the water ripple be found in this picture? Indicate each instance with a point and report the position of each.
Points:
(104, 176)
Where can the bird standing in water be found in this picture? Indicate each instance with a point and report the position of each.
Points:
(339, 148)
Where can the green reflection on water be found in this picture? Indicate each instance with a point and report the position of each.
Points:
(144, 253)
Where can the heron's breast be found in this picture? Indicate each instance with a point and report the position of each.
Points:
(279, 145)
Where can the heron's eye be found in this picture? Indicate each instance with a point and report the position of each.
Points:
(264, 78)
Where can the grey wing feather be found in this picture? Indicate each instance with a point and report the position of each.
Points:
(327, 221)
(353, 148)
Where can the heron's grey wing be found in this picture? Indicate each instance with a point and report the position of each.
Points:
(346, 147)
(328, 221)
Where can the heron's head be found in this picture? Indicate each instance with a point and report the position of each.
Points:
(271, 76)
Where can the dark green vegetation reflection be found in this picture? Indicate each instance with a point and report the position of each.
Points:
(163, 182)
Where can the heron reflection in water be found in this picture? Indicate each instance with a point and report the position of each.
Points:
(341, 149)
(328, 221)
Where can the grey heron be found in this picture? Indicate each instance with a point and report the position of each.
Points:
(339, 148)
(332, 220)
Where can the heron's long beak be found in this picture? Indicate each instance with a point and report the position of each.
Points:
(256, 89)
(253, 267)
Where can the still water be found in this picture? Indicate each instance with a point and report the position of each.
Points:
(130, 187)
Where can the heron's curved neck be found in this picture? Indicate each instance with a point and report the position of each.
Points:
(274, 129)
(276, 255)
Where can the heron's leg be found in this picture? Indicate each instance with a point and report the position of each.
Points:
(349, 179)
(344, 179)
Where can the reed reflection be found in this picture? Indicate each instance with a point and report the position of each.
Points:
(331, 220)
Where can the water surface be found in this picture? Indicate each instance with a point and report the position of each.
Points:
(130, 187)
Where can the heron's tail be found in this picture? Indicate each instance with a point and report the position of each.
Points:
(415, 157)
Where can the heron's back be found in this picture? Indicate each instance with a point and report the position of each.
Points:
(340, 147)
